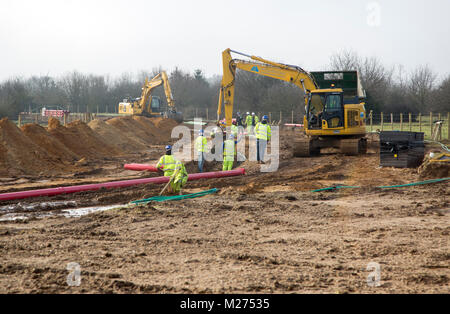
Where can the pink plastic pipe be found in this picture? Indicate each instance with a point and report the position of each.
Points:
(140, 167)
(114, 184)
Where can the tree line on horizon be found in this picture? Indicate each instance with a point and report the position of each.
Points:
(388, 89)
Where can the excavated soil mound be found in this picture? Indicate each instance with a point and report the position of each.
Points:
(52, 146)
(33, 150)
(147, 131)
(434, 170)
(81, 139)
(114, 137)
(164, 126)
(127, 126)
(161, 133)
(19, 155)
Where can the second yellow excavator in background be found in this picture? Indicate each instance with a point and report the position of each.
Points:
(150, 106)
(334, 107)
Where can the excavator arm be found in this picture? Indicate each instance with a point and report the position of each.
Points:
(158, 80)
(168, 91)
(288, 73)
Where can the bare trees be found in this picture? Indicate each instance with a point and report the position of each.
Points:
(441, 96)
(45, 91)
(388, 89)
(14, 96)
(75, 87)
(391, 89)
(375, 78)
(421, 87)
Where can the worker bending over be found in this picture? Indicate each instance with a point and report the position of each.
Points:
(228, 153)
(263, 134)
(200, 147)
(174, 169)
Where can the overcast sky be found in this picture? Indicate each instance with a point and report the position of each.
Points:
(114, 36)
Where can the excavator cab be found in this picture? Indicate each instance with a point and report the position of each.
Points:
(156, 104)
(325, 110)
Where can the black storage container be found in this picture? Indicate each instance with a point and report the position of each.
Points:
(401, 149)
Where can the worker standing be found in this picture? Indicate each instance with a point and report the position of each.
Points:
(174, 169)
(234, 129)
(228, 153)
(253, 122)
(239, 120)
(217, 143)
(200, 147)
(248, 123)
(263, 134)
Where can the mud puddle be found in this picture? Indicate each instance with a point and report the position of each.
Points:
(41, 210)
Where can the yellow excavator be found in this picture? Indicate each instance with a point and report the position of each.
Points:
(334, 107)
(150, 106)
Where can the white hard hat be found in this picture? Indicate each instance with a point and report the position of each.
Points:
(248, 112)
(253, 113)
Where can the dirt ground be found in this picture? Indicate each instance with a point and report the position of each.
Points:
(261, 233)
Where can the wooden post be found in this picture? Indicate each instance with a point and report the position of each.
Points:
(20, 120)
(401, 121)
(420, 122)
(281, 117)
(431, 124)
(382, 121)
(64, 119)
(371, 120)
(440, 131)
(410, 126)
(448, 125)
(292, 116)
(392, 121)
(36, 118)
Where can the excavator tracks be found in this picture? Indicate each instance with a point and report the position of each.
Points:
(354, 146)
(305, 147)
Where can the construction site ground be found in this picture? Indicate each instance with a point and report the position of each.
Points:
(261, 233)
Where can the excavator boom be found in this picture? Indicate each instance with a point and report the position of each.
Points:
(279, 71)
